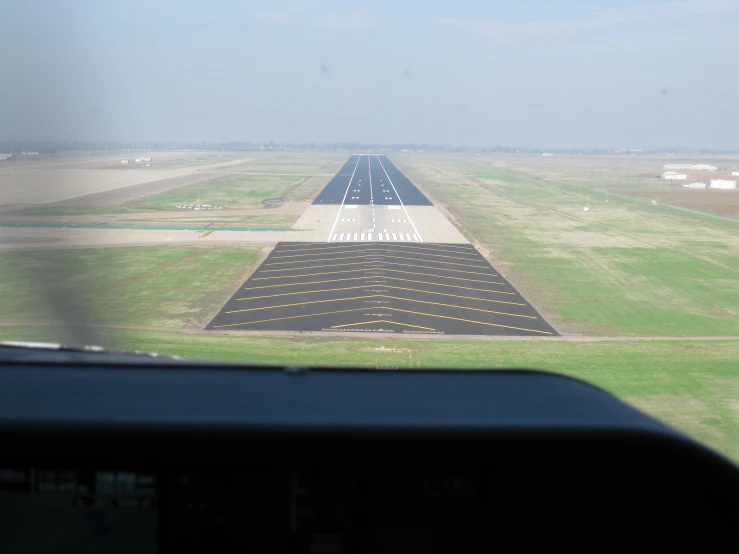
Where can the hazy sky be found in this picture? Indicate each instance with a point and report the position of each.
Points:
(565, 73)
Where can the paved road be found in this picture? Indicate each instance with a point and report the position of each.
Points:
(379, 287)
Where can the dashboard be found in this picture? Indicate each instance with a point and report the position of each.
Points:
(161, 458)
(340, 509)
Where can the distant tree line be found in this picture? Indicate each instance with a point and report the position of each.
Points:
(51, 147)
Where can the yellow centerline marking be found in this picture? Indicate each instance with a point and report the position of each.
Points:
(462, 307)
(300, 304)
(272, 277)
(290, 317)
(394, 309)
(260, 270)
(372, 249)
(382, 321)
(377, 284)
(482, 264)
(374, 276)
(380, 255)
(471, 321)
(385, 286)
(375, 296)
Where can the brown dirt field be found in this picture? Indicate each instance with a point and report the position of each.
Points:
(723, 202)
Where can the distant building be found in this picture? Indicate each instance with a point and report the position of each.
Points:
(6, 156)
(547, 154)
(694, 167)
(722, 184)
(733, 172)
(124, 161)
(696, 185)
(674, 176)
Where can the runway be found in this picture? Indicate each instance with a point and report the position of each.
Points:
(373, 198)
(371, 179)
(367, 287)
(373, 269)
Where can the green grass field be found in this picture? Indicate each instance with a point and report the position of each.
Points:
(290, 177)
(626, 268)
(230, 192)
(265, 218)
(150, 286)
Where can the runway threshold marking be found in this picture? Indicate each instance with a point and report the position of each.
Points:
(384, 286)
(467, 272)
(399, 199)
(382, 321)
(375, 270)
(386, 296)
(338, 213)
(384, 277)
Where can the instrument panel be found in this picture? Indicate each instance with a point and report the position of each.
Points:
(336, 509)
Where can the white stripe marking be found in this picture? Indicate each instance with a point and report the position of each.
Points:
(398, 197)
(349, 184)
(362, 236)
(395, 237)
(341, 237)
(415, 237)
(333, 237)
(356, 236)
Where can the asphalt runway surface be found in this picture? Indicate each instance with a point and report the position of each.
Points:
(373, 198)
(371, 180)
(365, 287)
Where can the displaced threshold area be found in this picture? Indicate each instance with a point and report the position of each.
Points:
(376, 287)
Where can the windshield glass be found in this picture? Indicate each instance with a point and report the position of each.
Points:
(547, 185)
